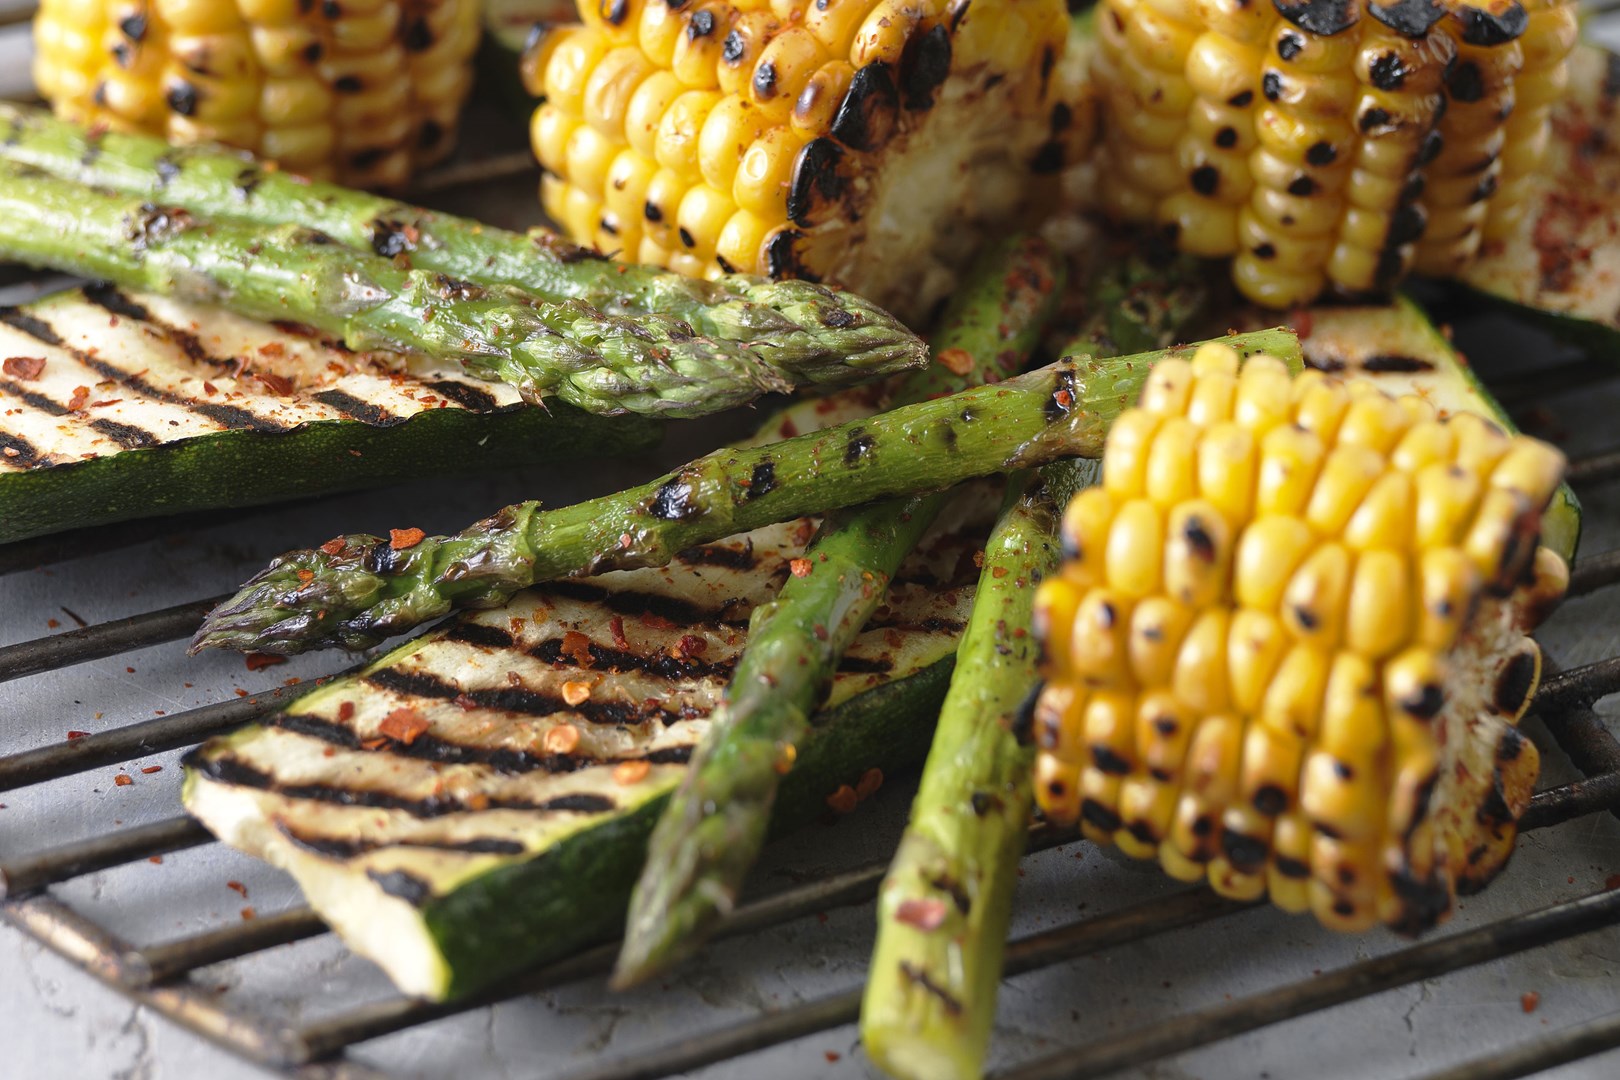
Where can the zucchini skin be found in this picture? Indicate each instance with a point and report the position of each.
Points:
(575, 895)
(246, 468)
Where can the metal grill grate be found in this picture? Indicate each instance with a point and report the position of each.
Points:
(163, 975)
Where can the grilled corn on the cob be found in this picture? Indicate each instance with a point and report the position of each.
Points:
(359, 91)
(1287, 649)
(1327, 143)
(868, 143)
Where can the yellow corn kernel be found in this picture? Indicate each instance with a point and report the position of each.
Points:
(1384, 517)
(1059, 788)
(1200, 679)
(701, 218)
(1315, 600)
(1109, 730)
(1293, 702)
(1255, 644)
(1099, 645)
(1172, 462)
(1379, 616)
(1263, 401)
(1447, 496)
(1099, 806)
(741, 242)
(1348, 473)
(644, 113)
(1146, 807)
(1167, 388)
(675, 144)
(1125, 463)
(1197, 554)
(1158, 625)
(1058, 724)
(766, 170)
(1135, 546)
(1086, 521)
(1268, 553)
(609, 88)
(1290, 459)
(1228, 463)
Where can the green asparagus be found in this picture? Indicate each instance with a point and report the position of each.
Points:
(601, 363)
(710, 833)
(357, 590)
(946, 901)
(802, 328)
(944, 906)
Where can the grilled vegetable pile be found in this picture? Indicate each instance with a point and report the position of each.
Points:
(364, 91)
(1328, 143)
(869, 143)
(1289, 646)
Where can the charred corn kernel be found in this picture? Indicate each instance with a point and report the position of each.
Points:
(361, 92)
(841, 131)
(1299, 677)
(1327, 145)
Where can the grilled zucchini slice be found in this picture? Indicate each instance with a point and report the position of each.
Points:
(116, 406)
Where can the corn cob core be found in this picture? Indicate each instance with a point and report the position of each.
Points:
(359, 91)
(1327, 143)
(866, 143)
(1287, 648)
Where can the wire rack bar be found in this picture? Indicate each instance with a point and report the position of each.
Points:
(1429, 960)
(1596, 469)
(159, 963)
(103, 639)
(30, 872)
(1539, 1055)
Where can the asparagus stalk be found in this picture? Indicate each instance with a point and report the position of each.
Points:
(357, 590)
(943, 909)
(946, 901)
(601, 363)
(804, 329)
(714, 824)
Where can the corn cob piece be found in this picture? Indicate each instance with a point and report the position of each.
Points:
(868, 143)
(1327, 144)
(1288, 648)
(361, 91)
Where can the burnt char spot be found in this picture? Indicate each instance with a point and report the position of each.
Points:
(1246, 854)
(1495, 809)
(763, 479)
(1427, 704)
(923, 67)
(1514, 684)
(660, 664)
(725, 555)
(358, 409)
(1240, 99)
(418, 36)
(1109, 762)
(1048, 159)
(858, 448)
(1289, 45)
(1390, 362)
(1324, 17)
(1511, 746)
(348, 84)
(19, 451)
(1266, 250)
(639, 604)
(1095, 813)
(342, 847)
(1321, 153)
(1466, 83)
(512, 699)
(652, 212)
(181, 97)
(1409, 18)
(921, 978)
(107, 297)
(1023, 720)
(1271, 85)
(1199, 539)
(866, 116)
(837, 318)
(1203, 825)
(1344, 771)
(953, 888)
(733, 47)
(1226, 138)
(1306, 617)
(1407, 224)
(480, 634)
(816, 179)
(782, 258)
(1387, 72)
(1061, 400)
(765, 80)
(701, 25)
(673, 500)
(1205, 179)
(408, 887)
(1290, 867)
(134, 26)
(389, 238)
(1481, 26)
(1143, 831)
(381, 558)
(617, 12)
(1611, 76)
(1270, 800)
(1373, 118)
(1302, 186)
(1424, 903)
(982, 802)
(1166, 726)
(865, 665)
(1433, 143)
(469, 397)
(1484, 189)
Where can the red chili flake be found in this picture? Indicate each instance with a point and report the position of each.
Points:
(291, 680)
(820, 631)
(123, 780)
(156, 860)
(81, 394)
(978, 560)
(401, 539)
(209, 388)
(403, 725)
(103, 404)
(576, 693)
(256, 661)
(802, 534)
(335, 546)
(631, 772)
(26, 368)
(926, 914)
(306, 576)
(843, 800)
(692, 645)
(150, 769)
(355, 453)
(822, 917)
(1529, 1000)
(272, 348)
(657, 622)
(248, 914)
(956, 361)
(237, 887)
(1300, 320)
(561, 739)
(616, 628)
(868, 784)
(831, 1056)
(789, 428)
(1063, 398)
(52, 624)
(799, 567)
(279, 385)
(464, 702)
(373, 744)
(1611, 883)
(76, 735)
(130, 670)
(998, 572)
(241, 693)
(577, 647)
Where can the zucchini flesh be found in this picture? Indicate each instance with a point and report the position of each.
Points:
(1396, 346)
(491, 826)
(146, 406)
(1562, 265)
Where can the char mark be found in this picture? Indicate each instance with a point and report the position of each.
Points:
(357, 409)
(112, 300)
(725, 555)
(344, 847)
(127, 436)
(19, 451)
(513, 699)
(920, 977)
(661, 664)
(1390, 362)
(467, 396)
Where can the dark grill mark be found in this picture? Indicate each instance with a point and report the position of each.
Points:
(16, 450)
(1409, 18)
(1324, 17)
(1205, 179)
(861, 665)
(358, 409)
(1321, 153)
(815, 179)
(858, 448)
(724, 555)
(109, 298)
(1495, 809)
(921, 978)
(480, 634)
(467, 396)
(408, 887)
(340, 847)
(673, 500)
(1481, 26)
(226, 415)
(1389, 362)
(128, 436)
(763, 479)
(33, 399)
(660, 664)
(1511, 746)
(512, 699)
(866, 116)
(1387, 72)
(923, 67)
(1514, 685)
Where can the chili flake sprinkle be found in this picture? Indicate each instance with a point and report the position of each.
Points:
(123, 780)
(401, 539)
(404, 725)
(631, 772)
(800, 567)
(576, 692)
(561, 739)
(256, 661)
(26, 368)
(843, 800)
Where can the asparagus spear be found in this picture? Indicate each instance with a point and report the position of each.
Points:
(944, 906)
(358, 590)
(601, 363)
(712, 829)
(946, 901)
(803, 328)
